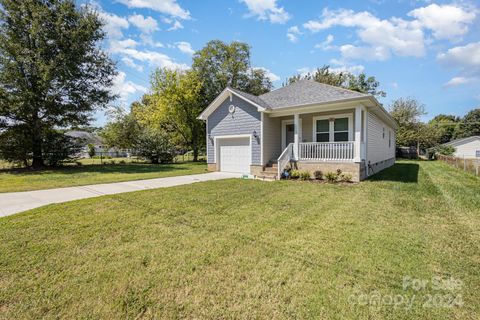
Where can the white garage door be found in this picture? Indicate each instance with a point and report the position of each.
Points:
(234, 155)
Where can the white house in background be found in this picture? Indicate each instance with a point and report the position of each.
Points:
(84, 138)
(313, 125)
(466, 147)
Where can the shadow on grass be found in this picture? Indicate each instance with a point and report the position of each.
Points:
(400, 172)
(108, 168)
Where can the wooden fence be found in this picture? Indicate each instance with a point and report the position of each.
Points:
(470, 165)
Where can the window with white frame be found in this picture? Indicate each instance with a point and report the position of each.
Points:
(332, 129)
(323, 130)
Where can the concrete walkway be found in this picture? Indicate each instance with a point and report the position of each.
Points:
(14, 202)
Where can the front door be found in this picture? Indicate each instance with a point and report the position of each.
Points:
(289, 134)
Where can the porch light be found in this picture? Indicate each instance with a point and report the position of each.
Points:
(254, 133)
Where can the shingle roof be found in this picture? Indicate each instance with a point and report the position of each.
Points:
(306, 92)
(252, 98)
(86, 137)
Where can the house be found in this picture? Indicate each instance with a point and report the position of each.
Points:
(311, 125)
(466, 147)
(85, 138)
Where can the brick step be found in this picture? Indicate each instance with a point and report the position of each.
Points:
(270, 169)
(272, 165)
(265, 175)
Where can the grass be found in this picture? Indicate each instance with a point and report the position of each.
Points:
(24, 180)
(250, 249)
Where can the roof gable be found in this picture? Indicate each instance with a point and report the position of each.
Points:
(462, 141)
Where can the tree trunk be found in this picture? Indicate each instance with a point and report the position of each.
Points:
(195, 152)
(37, 145)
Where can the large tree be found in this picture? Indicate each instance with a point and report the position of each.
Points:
(343, 79)
(407, 113)
(52, 71)
(123, 129)
(445, 125)
(220, 64)
(469, 125)
(174, 105)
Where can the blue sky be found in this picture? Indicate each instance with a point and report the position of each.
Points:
(422, 49)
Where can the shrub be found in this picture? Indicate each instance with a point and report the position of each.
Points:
(331, 176)
(346, 177)
(294, 174)
(318, 175)
(78, 163)
(91, 150)
(112, 161)
(156, 146)
(304, 175)
(122, 162)
(339, 172)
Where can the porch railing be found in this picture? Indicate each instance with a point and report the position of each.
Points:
(284, 159)
(327, 151)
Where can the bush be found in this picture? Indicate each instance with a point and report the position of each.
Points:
(91, 150)
(346, 177)
(122, 162)
(58, 147)
(304, 175)
(112, 161)
(331, 176)
(339, 172)
(156, 146)
(78, 163)
(294, 174)
(318, 175)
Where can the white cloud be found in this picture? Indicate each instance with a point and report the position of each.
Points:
(272, 76)
(293, 33)
(169, 7)
(120, 45)
(185, 47)
(148, 40)
(267, 10)
(130, 63)
(124, 88)
(342, 66)
(456, 81)
(146, 25)
(154, 58)
(445, 21)
(349, 51)
(398, 36)
(113, 24)
(327, 44)
(465, 59)
(175, 26)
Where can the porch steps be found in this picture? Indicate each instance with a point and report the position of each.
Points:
(269, 173)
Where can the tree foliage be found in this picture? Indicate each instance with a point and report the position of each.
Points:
(122, 130)
(445, 126)
(220, 65)
(469, 125)
(407, 113)
(52, 71)
(174, 105)
(360, 83)
(155, 145)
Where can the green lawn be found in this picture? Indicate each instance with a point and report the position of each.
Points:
(24, 180)
(251, 249)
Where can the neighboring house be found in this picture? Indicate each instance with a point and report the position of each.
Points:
(466, 147)
(84, 138)
(313, 125)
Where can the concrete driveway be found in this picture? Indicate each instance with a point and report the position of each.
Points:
(14, 202)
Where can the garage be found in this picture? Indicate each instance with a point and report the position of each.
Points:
(234, 154)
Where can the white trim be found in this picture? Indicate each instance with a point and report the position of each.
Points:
(261, 138)
(284, 131)
(218, 101)
(331, 128)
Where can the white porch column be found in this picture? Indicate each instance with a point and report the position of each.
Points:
(296, 135)
(358, 133)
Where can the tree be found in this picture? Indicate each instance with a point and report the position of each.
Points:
(343, 79)
(407, 113)
(52, 71)
(174, 106)
(123, 129)
(469, 125)
(91, 150)
(155, 145)
(445, 125)
(220, 65)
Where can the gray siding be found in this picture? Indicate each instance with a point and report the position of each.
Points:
(379, 148)
(272, 138)
(245, 120)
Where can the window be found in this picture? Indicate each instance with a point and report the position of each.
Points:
(389, 139)
(340, 128)
(383, 133)
(332, 130)
(323, 130)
